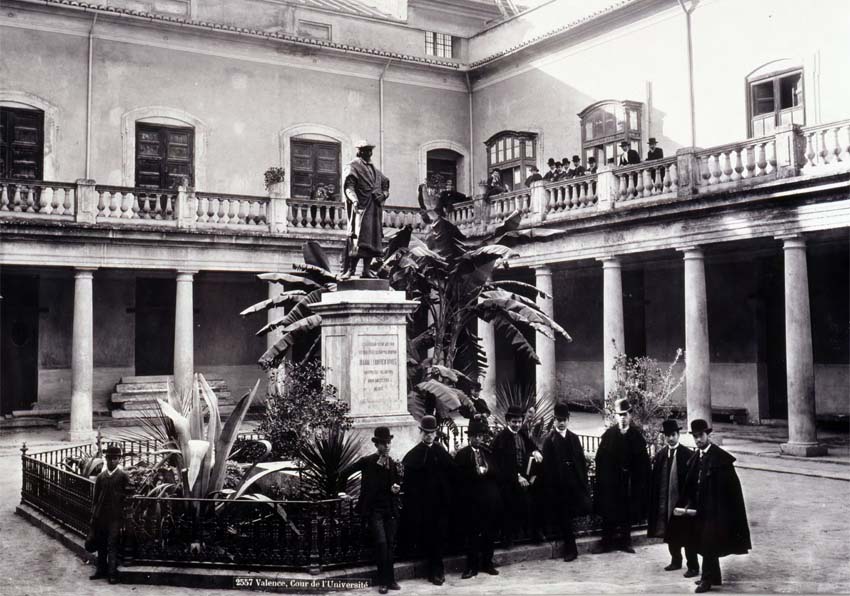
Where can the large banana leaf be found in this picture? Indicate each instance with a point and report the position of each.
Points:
(290, 336)
(314, 255)
(508, 330)
(300, 311)
(446, 240)
(317, 274)
(293, 281)
(448, 399)
(282, 298)
(228, 436)
(510, 283)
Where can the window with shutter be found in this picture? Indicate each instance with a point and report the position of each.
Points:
(776, 100)
(21, 143)
(315, 169)
(164, 156)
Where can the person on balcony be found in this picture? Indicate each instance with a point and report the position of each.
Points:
(365, 189)
(565, 472)
(655, 152)
(560, 173)
(628, 156)
(576, 169)
(110, 492)
(478, 484)
(591, 165)
(380, 484)
(449, 196)
(669, 468)
(428, 474)
(534, 177)
(513, 449)
(550, 175)
(495, 186)
(622, 474)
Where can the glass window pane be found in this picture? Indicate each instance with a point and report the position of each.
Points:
(610, 151)
(762, 94)
(493, 153)
(634, 120)
(790, 91)
(517, 176)
(529, 149)
(499, 153)
(620, 116)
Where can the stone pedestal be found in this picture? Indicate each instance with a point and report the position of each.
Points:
(364, 348)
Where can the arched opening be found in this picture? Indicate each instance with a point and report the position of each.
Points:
(30, 133)
(444, 163)
(313, 155)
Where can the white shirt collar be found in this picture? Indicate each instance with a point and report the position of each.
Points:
(118, 467)
(673, 448)
(704, 451)
(563, 433)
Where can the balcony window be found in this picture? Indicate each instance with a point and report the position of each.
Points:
(512, 153)
(605, 124)
(164, 156)
(439, 44)
(315, 169)
(21, 143)
(776, 100)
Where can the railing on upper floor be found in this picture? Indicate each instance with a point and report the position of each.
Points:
(38, 197)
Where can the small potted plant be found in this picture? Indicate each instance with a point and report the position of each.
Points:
(274, 178)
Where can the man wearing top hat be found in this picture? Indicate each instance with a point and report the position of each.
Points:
(622, 474)
(669, 468)
(512, 449)
(655, 152)
(365, 189)
(628, 156)
(111, 488)
(428, 473)
(380, 484)
(714, 498)
(565, 471)
(481, 503)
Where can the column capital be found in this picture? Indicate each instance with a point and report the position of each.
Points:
(692, 251)
(544, 269)
(84, 272)
(792, 241)
(186, 274)
(612, 262)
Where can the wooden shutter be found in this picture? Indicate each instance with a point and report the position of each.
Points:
(164, 156)
(21, 143)
(314, 163)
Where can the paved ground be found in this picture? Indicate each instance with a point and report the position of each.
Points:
(800, 527)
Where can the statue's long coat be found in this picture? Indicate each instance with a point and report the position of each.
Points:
(365, 217)
(622, 476)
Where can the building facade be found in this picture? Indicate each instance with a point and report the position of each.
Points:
(136, 135)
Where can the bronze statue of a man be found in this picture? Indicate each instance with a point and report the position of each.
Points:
(365, 189)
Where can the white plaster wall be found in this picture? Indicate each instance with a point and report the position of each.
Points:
(832, 389)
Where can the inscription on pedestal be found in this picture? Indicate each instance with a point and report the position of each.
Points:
(376, 359)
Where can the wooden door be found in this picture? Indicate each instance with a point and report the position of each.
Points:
(18, 342)
(21, 143)
(315, 169)
(164, 156)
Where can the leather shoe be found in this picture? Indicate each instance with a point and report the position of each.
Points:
(468, 573)
(97, 575)
(599, 548)
(570, 557)
(692, 573)
(702, 587)
(113, 580)
(438, 581)
(627, 549)
(382, 590)
(394, 586)
(673, 567)
(491, 571)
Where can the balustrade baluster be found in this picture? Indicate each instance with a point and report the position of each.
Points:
(748, 161)
(673, 177)
(630, 189)
(770, 157)
(735, 165)
(101, 204)
(290, 214)
(201, 210)
(4, 198)
(842, 139)
(45, 201)
(135, 208)
(168, 212)
(212, 214)
(646, 182)
(68, 204)
(582, 193)
(29, 206)
(810, 150)
(823, 155)
(16, 199)
(233, 212)
(126, 206)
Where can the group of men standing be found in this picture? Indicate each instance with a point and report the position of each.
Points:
(693, 500)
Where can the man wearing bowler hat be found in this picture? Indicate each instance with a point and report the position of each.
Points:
(655, 152)
(565, 471)
(622, 473)
(713, 496)
(550, 175)
(513, 449)
(380, 484)
(628, 156)
(428, 472)
(481, 503)
(111, 488)
(669, 468)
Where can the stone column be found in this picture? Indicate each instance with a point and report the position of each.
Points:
(184, 341)
(802, 435)
(697, 355)
(613, 330)
(547, 370)
(487, 334)
(82, 357)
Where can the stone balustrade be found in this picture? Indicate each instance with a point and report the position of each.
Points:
(215, 209)
(503, 205)
(727, 165)
(826, 147)
(118, 204)
(37, 197)
(463, 215)
(305, 214)
(569, 194)
(649, 179)
(398, 217)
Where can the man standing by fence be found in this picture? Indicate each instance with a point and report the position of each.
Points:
(110, 492)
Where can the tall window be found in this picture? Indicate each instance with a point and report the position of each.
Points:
(21, 143)
(775, 100)
(512, 153)
(606, 124)
(315, 169)
(438, 44)
(164, 156)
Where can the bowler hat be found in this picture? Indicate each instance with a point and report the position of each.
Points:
(621, 406)
(591, 159)
(576, 158)
(624, 143)
(670, 426)
(652, 141)
(428, 424)
(363, 143)
(534, 169)
(112, 450)
(513, 412)
(562, 411)
(551, 161)
(382, 435)
(478, 426)
(699, 426)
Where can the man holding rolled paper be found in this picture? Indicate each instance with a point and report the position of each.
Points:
(711, 516)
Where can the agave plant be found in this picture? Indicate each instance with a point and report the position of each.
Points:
(328, 464)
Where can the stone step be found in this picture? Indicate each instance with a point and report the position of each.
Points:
(159, 387)
(152, 396)
(161, 379)
(148, 405)
(224, 410)
(50, 412)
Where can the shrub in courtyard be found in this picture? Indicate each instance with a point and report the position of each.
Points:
(328, 465)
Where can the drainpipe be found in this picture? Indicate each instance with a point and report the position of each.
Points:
(381, 112)
(688, 12)
(471, 137)
(88, 99)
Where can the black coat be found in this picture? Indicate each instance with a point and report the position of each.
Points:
(427, 484)
(504, 450)
(110, 494)
(622, 474)
(631, 158)
(532, 179)
(479, 494)
(565, 471)
(712, 487)
(657, 153)
(376, 485)
(658, 482)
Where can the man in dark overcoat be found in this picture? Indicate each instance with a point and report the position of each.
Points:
(622, 475)
(512, 449)
(712, 489)
(550, 175)
(111, 488)
(428, 474)
(380, 484)
(365, 189)
(655, 152)
(628, 156)
(669, 468)
(565, 471)
(480, 501)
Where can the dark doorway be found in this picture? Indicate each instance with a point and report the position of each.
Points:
(441, 169)
(18, 342)
(155, 301)
(770, 326)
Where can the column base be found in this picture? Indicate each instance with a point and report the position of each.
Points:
(803, 449)
(78, 436)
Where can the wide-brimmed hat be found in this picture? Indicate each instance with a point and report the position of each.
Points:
(478, 426)
(562, 411)
(113, 450)
(670, 426)
(621, 406)
(652, 141)
(382, 435)
(514, 412)
(699, 426)
(428, 424)
(363, 143)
